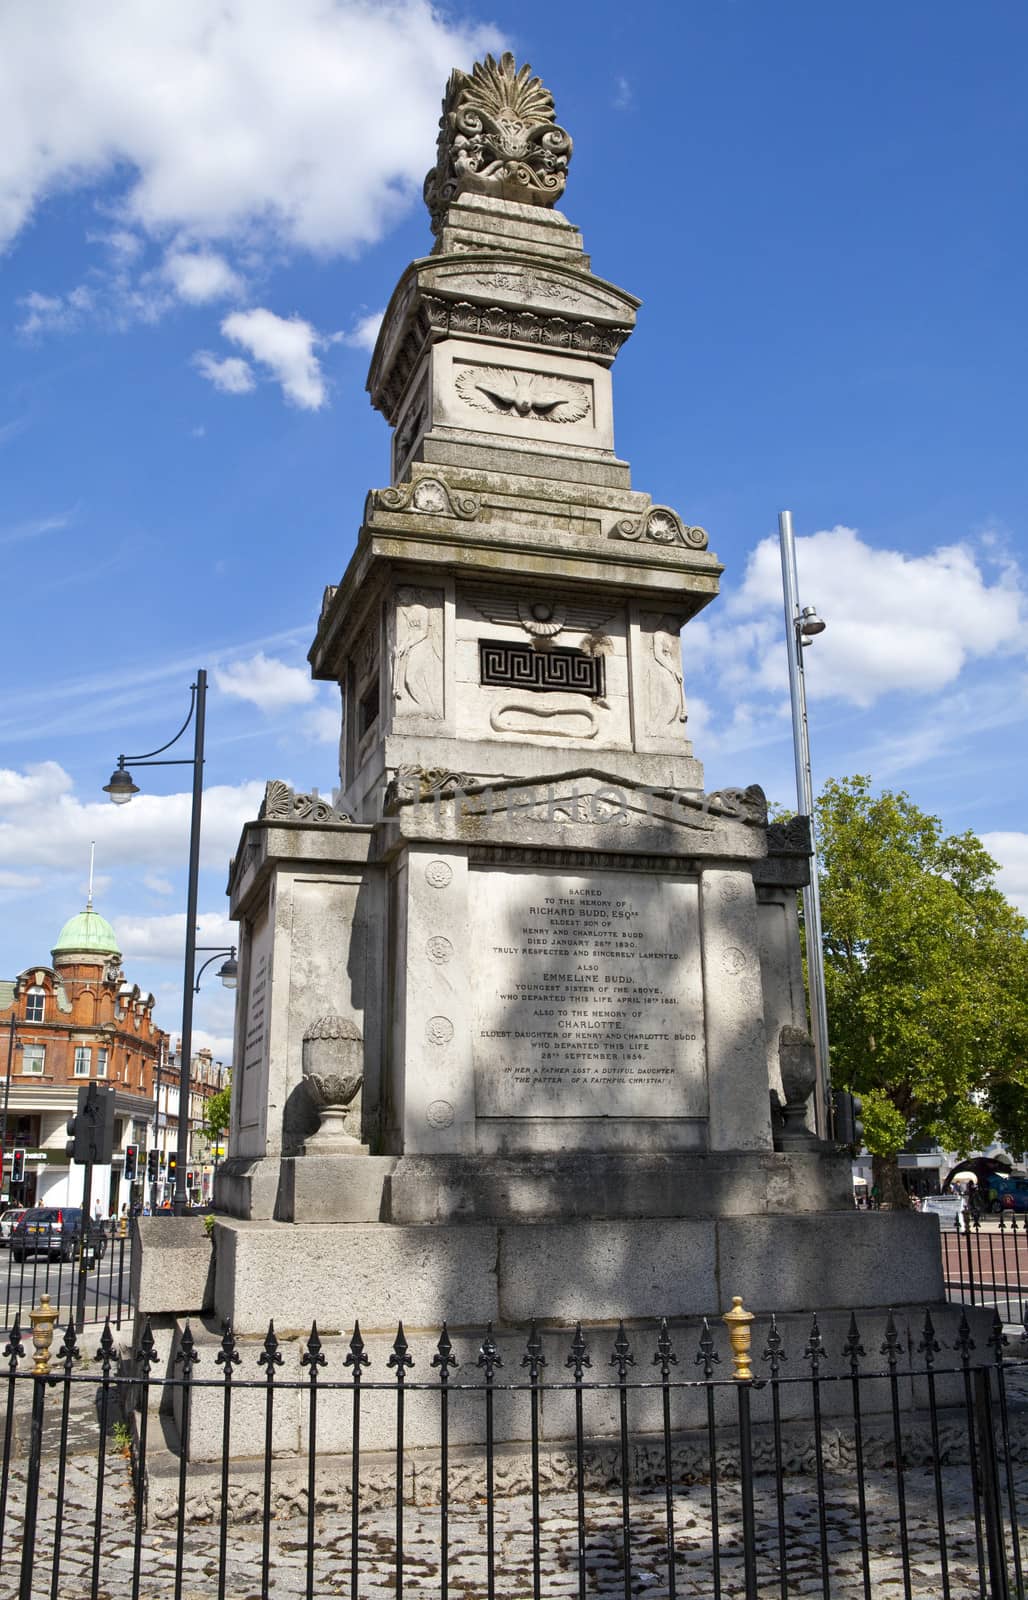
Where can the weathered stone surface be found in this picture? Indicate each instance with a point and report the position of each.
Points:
(172, 1266)
(614, 1184)
(376, 1272)
(792, 1263)
(334, 1188)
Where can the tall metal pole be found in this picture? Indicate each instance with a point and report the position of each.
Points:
(7, 1100)
(13, 1028)
(189, 974)
(805, 804)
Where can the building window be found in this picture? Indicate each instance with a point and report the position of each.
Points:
(82, 1054)
(101, 1061)
(35, 1004)
(33, 1058)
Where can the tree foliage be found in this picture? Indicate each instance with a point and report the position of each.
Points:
(216, 1114)
(926, 971)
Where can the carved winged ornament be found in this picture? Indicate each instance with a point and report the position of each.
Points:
(497, 136)
(523, 394)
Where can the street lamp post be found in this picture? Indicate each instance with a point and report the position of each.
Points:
(11, 1042)
(121, 789)
(801, 626)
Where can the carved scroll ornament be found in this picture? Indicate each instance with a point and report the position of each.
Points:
(428, 496)
(282, 804)
(661, 525)
(497, 136)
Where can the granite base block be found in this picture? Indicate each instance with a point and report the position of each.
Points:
(172, 1265)
(472, 1273)
(576, 1184)
(340, 1188)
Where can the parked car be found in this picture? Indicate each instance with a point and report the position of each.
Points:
(7, 1221)
(54, 1231)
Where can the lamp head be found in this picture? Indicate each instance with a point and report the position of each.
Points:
(228, 972)
(121, 787)
(809, 622)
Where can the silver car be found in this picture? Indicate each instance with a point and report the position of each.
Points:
(7, 1221)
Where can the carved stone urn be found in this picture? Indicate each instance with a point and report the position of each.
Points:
(798, 1063)
(333, 1070)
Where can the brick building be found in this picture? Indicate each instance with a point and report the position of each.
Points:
(75, 1019)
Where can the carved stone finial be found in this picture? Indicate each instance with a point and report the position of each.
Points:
(497, 136)
(798, 1064)
(333, 1070)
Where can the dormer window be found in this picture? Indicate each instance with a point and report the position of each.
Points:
(35, 1004)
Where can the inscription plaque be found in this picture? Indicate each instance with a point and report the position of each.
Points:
(587, 996)
(255, 1026)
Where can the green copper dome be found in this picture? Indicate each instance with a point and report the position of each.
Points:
(87, 932)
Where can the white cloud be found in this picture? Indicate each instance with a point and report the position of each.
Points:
(309, 124)
(364, 332)
(198, 276)
(266, 682)
(285, 345)
(157, 884)
(219, 1044)
(323, 724)
(895, 621)
(36, 527)
(19, 881)
(164, 938)
(232, 375)
(43, 824)
(1011, 851)
(54, 313)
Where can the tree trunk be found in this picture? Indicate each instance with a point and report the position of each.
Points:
(886, 1178)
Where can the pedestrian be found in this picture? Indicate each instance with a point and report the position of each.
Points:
(98, 1212)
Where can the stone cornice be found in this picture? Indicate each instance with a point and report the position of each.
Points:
(498, 296)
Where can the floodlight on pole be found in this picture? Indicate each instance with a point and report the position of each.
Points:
(801, 627)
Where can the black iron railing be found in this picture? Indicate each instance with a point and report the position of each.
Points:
(96, 1289)
(985, 1263)
(546, 1463)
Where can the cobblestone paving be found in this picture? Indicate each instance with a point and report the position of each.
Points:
(512, 1533)
(513, 1545)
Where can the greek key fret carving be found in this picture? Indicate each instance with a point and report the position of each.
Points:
(520, 666)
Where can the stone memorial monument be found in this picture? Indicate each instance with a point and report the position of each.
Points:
(521, 1023)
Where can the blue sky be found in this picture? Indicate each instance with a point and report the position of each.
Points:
(202, 210)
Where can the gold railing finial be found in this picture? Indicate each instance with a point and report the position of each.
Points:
(42, 1317)
(738, 1323)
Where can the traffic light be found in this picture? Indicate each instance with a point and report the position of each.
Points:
(152, 1165)
(91, 1129)
(172, 1165)
(849, 1125)
(131, 1162)
(18, 1166)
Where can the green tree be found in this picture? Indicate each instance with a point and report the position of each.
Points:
(926, 971)
(216, 1114)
